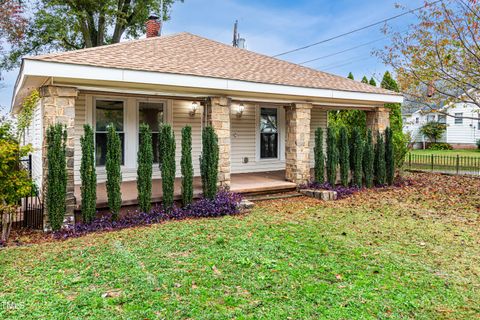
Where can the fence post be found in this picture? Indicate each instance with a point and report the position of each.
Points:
(457, 164)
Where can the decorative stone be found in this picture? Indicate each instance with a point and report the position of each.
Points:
(246, 204)
(325, 195)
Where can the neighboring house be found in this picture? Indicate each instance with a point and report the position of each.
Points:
(462, 121)
(264, 110)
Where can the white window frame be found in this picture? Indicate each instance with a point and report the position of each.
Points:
(458, 116)
(281, 133)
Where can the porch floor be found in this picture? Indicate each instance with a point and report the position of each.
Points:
(245, 183)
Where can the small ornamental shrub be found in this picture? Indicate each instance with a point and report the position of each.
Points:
(144, 168)
(332, 156)
(358, 151)
(167, 166)
(344, 156)
(440, 146)
(380, 168)
(209, 162)
(187, 166)
(368, 160)
(114, 174)
(319, 157)
(389, 156)
(88, 175)
(433, 130)
(56, 192)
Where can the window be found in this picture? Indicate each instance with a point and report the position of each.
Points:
(458, 118)
(268, 133)
(478, 125)
(107, 112)
(442, 119)
(417, 120)
(430, 117)
(152, 113)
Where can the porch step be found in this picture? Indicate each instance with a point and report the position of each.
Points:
(273, 196)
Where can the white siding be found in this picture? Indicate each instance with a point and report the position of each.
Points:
(34, 136)
(318, 120)
(80, 120)
(467, 132)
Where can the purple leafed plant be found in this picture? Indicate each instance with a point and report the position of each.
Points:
(224, 203)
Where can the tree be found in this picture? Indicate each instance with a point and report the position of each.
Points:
(350, 76)
(144, 168)
(167, 166)
(380, 169)
(437, 60)
(57, 25)
(114, 174)
(332, 156)
(187, 166)
(389, 159)
(56, 192)
(319, 157)
(368, 160)
(209, 162)
(364, 79)
(88, 175)
(358, 150)
(372, 82)
(433, 130)
(344, 156)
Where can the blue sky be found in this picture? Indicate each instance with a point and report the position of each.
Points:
(271, 27)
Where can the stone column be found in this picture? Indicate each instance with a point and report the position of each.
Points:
(297, 147)
(59, 107)
(378, 120)
(218, 116)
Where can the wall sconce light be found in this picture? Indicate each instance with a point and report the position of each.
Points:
(193, 108)
(240, 110)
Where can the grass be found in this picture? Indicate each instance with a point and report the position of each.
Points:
(466, 153)
(410, 253)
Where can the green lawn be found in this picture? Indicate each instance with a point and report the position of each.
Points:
(469, 153)
(410, 253)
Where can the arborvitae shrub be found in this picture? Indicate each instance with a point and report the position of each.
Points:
(380, 169)
(144, 168)
(357, 157)
(389, 156)
(332, 156)
(344, 156)
(368, 160)
(56, 192)
(319, 157)
(167, 166)
(209, 162)
(88, 175)
(187, 166)
(114, 174)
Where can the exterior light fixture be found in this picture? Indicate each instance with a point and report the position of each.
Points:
(240, 110)
(193, 108)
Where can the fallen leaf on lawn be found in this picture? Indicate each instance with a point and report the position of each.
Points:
(112, 294)
(215, 270)
(338, 276)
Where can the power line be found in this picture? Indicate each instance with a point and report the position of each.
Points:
(328, 67)
(355, 30)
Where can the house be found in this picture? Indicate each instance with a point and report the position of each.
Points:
(263, 110)
(462, 121)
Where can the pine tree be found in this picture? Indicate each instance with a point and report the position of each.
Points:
(389, 159)
(114, 174)
(350, 76)
(365, 79)
(88, 175)
(209, 162)
(56, 192)
(144, 168)
(319, 157)
(344, 157)
(368, 160)
(167, 166)
(380, 170)
(372, 82)
(332, 156)
(187, 166)
(357, 157)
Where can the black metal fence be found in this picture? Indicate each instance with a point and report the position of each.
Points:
(445, 164)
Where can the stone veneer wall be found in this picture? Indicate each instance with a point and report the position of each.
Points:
(297, 146)
(58, 105)
(378, 120)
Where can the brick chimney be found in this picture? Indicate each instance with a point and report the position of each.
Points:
(153, 26)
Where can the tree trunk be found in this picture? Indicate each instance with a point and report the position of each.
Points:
(6, 215)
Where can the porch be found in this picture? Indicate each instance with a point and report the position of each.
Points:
(244, 183)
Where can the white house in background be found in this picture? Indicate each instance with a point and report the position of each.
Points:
(462, 131)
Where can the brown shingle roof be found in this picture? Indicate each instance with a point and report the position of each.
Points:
(188, 54)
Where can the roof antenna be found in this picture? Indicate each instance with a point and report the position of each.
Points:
(237, 41)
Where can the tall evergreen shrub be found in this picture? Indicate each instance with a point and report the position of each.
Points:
(88, 175)
(344, 156)
(332, 156)
(114, 174)
(56, 192)
(167, 166)
(319, 157)
(357, 157)
(380, 169)
(389, 156)
(144, 168)
(209, 162)
(368, 160)
(187, 166)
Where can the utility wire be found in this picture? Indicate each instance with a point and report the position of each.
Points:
(356, 30)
